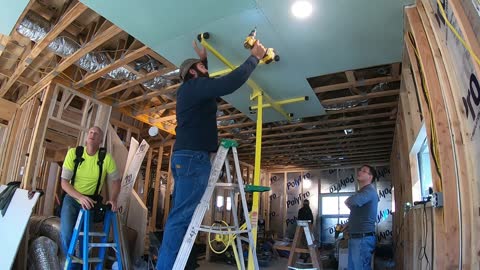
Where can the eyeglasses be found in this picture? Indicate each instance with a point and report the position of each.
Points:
(366, 171)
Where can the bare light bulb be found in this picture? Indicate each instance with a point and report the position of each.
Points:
(302, 9)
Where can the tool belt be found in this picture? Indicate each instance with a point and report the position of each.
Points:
(99, 209)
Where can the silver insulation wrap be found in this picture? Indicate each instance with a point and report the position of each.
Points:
(35, 27)
(42, 254)
(46, 226)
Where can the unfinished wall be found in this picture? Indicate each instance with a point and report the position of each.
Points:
(440, 90)
(326, 190)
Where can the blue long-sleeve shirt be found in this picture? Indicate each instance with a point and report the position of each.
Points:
(197, 107)
(363, 210)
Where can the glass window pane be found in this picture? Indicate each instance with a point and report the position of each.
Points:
(344, 210)
(425, 168)
(330, 206)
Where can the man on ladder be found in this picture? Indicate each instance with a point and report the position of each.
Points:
(196, 138)
(82, 181)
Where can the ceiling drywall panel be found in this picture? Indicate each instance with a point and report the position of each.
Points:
(340, 35)
(10, 11)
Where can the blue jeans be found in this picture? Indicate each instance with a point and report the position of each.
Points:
(68, 218)
(360, 252)
(191, 170)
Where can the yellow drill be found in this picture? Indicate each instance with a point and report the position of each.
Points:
(269, 56)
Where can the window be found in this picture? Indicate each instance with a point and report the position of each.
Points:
(421, 171)
(424, 169)
(334, 205)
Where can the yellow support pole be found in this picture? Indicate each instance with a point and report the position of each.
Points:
(256, 176)
(220, 72)
(282, 102)
(250, 82)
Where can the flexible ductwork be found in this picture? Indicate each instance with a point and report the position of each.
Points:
(46, 226)
(350, 104)
(35, 27)
(42, 254)
(345, 105)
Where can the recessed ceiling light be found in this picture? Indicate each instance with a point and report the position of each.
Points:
(153, 131)
(302, 9)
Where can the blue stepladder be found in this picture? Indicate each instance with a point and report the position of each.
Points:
(83, 220)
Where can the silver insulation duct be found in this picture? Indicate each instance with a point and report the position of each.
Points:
(345, 105)
(350, 104)
(35, 27)
(43, 254)
(46, 226)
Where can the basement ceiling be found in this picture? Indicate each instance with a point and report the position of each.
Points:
(340, 35)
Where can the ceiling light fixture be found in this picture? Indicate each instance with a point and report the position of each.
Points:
(153, 131)
(348, 131)
(302, 9)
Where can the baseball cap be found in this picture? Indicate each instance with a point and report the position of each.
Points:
(186, 65)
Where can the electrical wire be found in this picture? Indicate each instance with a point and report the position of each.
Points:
(449, 24)
(423, 250)
(452, 137)
(397, 236)
(433, 131)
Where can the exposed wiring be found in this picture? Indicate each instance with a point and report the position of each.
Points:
(452, 137)
(433, 131)
(397, 235)
(423, 250)
(449, 24)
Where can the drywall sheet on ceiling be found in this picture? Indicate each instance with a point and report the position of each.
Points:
(169, 27)
(340, 35)
(10, 11)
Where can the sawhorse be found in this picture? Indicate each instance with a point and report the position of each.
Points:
(305, 224)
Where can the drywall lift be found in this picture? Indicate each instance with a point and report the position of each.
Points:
(259, 94)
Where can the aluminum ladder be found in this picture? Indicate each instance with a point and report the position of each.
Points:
(195, 225)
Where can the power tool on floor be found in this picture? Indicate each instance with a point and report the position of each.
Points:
(269, 56)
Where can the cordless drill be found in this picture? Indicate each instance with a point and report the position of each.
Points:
(338, 230)
(270, 54)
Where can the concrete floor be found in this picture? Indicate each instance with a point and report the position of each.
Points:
(279, 263)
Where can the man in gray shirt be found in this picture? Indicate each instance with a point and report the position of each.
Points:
(361, 222)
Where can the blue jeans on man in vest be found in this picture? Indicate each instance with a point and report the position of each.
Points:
(360, 252)
(191, 170)
(68, 218)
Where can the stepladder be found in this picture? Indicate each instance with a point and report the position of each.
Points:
(221, 161)
(304, 228)
(83, 234)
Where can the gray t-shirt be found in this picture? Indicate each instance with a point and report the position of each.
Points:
(363, 210)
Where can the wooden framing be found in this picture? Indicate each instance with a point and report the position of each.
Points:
(168, 191)
(429, 65)
(65, 21)
(146, 182)
(153, 107)
(386, 122)
(38, 137)
(153, 219)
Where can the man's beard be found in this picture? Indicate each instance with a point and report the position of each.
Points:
(202, 74)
